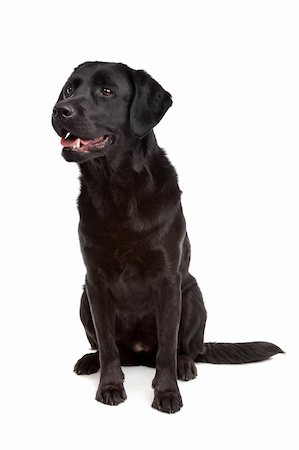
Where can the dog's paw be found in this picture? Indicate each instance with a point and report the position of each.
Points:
(87, 364)
(186, 368)
(167, 401)
(111, 394)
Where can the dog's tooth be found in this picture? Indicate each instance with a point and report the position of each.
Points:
(67, 135)
(77, 143)
(74, 145)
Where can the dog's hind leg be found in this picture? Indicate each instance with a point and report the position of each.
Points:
(89, 363)
(86, 319)
(191, 331)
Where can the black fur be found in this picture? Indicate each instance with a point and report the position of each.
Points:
(140, 305)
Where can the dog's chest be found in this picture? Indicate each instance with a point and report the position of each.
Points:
(120, 254)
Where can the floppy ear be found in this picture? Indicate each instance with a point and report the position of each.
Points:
(149, 104)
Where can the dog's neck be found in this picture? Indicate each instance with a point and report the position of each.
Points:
(120, 176)
(135, 176)
(120, 163)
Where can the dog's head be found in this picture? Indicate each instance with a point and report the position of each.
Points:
(106, 105)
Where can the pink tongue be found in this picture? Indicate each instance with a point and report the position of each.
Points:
(70, 141)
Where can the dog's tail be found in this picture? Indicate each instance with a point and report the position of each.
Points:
(245, 352)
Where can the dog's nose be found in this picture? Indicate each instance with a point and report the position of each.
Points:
(65, 111)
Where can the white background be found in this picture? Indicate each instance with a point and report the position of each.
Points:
(232, 134)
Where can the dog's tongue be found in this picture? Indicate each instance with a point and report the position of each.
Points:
(69, 142)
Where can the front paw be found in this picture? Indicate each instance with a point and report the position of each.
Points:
(111, 394)
(169, 401)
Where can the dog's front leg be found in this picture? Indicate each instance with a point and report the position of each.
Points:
(111, 390)
(168, 311)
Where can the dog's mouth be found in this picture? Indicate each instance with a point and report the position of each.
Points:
(71, 142)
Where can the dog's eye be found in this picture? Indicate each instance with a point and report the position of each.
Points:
(105, 92)
(68, 91)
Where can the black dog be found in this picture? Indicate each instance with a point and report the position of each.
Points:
(140, 305)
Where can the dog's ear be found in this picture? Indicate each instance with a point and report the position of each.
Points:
(150, 103)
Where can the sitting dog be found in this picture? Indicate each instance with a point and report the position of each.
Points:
(140, 305)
